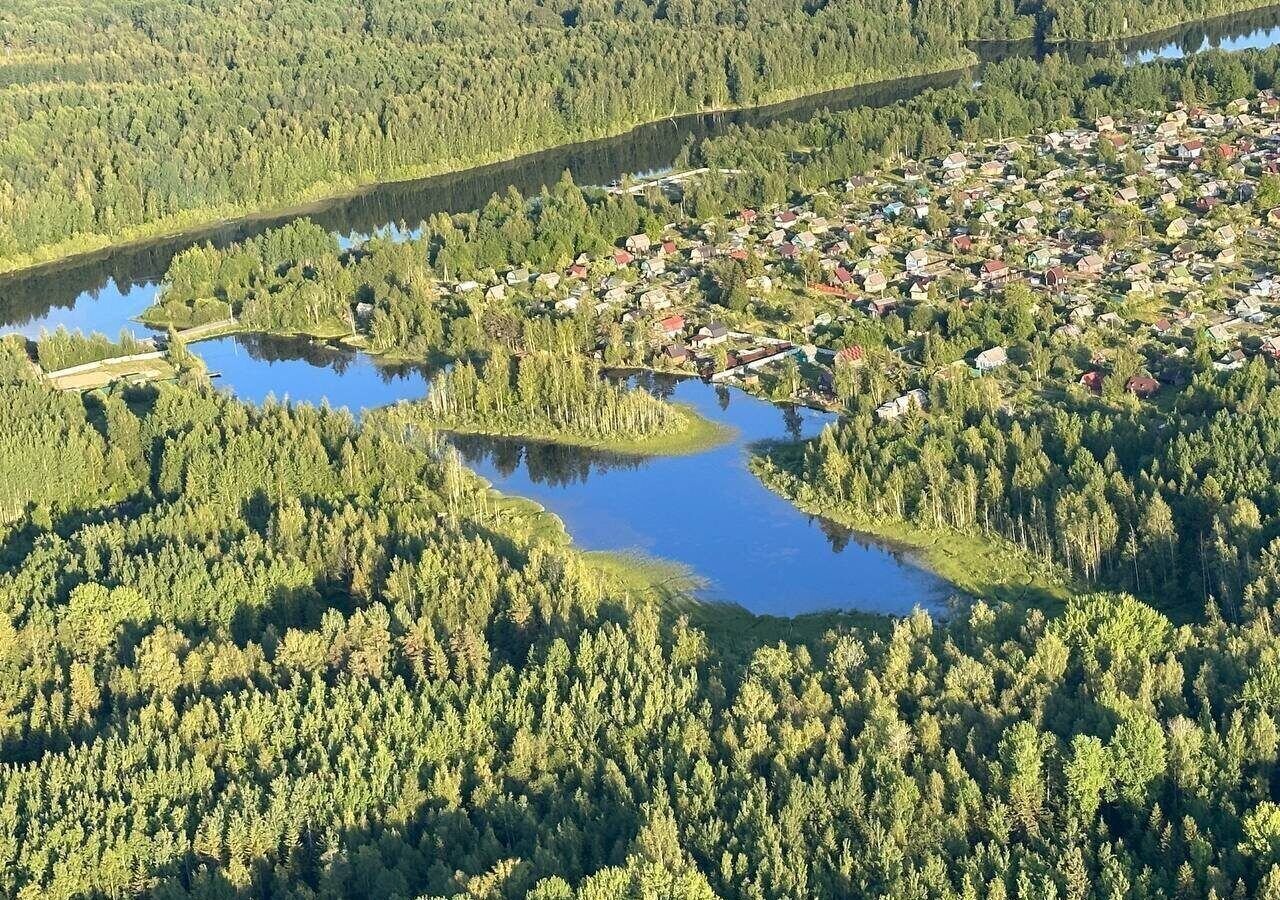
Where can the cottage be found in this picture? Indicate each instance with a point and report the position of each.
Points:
(874, 282)
(671, 325)
(675, 353)
(1040, 259)
(1142, 386)
(852, 355)
(1219, 333)
(917, 259)
(654, 299)
(709, 335)
(990, 359)
(1229, 362)
(1055, 277)
(894, 408)
(1127, 195)
(1092, 381)
(882, 306)
(638, 243)
(993, 270)
(1091, 265)
(1177, 229)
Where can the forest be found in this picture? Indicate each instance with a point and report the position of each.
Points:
(273, 652)
(268, 652)
(557, 394)
(121, 119)
(1179, 508)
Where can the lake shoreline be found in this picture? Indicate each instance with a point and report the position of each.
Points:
(974, 565)
(1167, 28)
(700, 434)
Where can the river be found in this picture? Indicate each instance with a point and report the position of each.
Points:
(705, 511)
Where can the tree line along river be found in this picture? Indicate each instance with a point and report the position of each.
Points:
(705, 511)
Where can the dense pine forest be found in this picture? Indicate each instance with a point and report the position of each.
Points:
(276, 652)
(1178, 507)
(118, 119)
(270, 653)
(555, 393)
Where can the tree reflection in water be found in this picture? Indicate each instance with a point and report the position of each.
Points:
(270, 348)
(555, 465)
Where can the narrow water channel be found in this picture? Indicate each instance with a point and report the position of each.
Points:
(705, 510)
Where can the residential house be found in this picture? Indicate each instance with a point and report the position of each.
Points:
(917, 259)
(638, 243)
(990, 359)
(874, 282)
(709, 335)
(1091, 265)
(671, 325)
(1142, 386)
(993, 271)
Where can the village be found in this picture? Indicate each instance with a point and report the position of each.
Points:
(1122, 257)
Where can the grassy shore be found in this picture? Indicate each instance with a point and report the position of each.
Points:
(734, 631)
(978, 565)
(695, 435)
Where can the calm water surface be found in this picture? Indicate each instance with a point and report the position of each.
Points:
(705, 510)
(708, 511)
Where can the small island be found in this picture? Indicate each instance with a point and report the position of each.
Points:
(558, 399)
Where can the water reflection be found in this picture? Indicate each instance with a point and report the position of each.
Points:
(709, 512)
(552, 465)
(1253, 30)
(256, 367)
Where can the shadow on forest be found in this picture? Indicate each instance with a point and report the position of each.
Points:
(432, 850)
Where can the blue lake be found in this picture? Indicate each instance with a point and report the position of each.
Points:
(708, 511)
(256, 367)
(705, 511)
